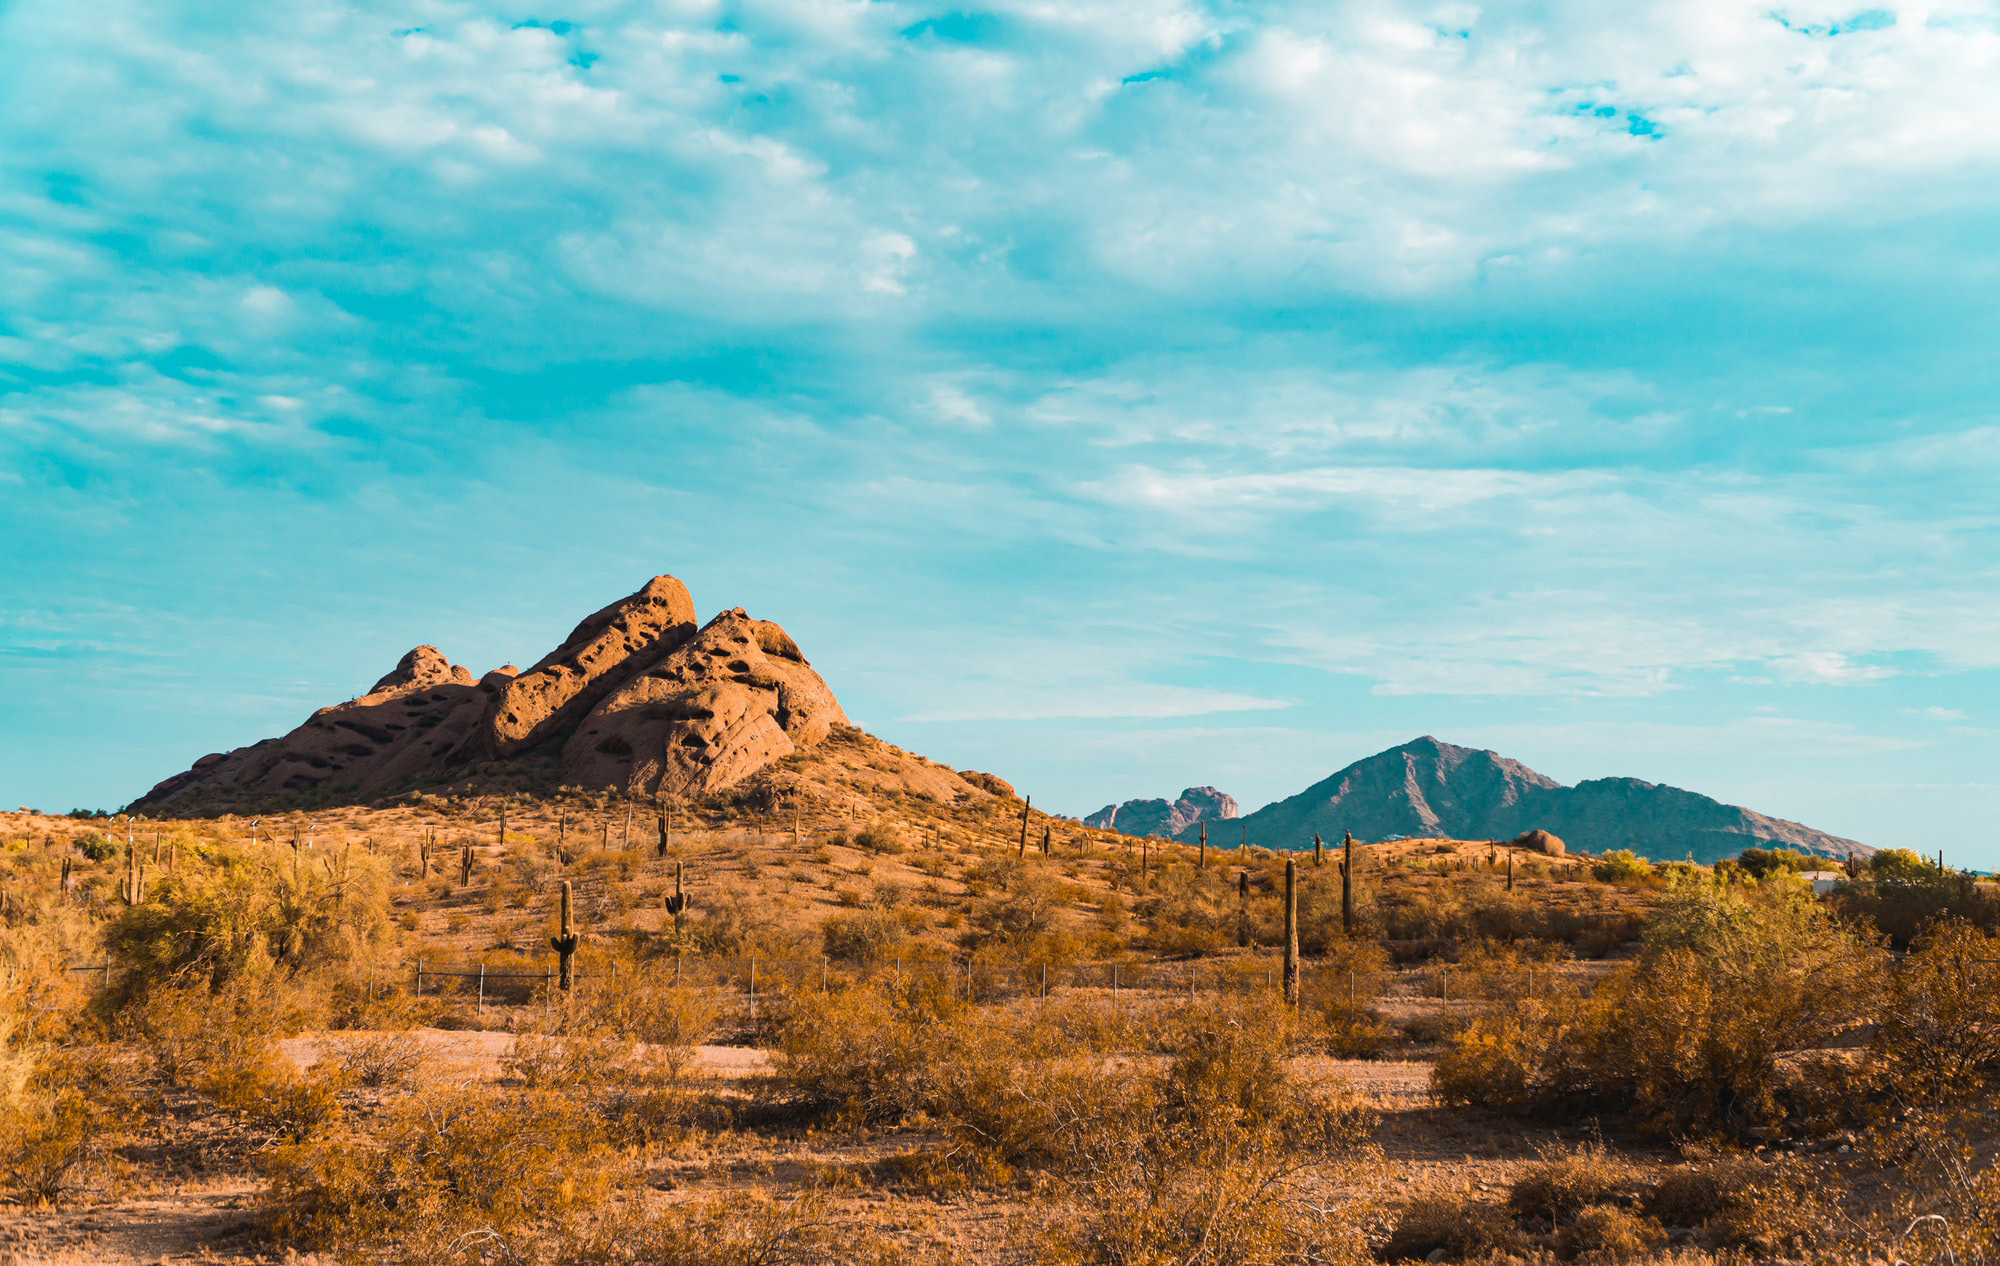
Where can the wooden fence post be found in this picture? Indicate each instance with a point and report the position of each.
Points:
(1291, 932)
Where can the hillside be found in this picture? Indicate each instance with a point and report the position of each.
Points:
(1430, 788)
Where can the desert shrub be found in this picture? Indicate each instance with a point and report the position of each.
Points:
(880, 839)
(1455, 1226)
(1939, 1029)
(434, 1168)
(49, 1139)
(1770, 1207)
(377, 1061)
(1899, 893)
(1690, 1037)
(1562, 1182)
(1761, 863)
(862, 937)
(95, 847)
(242, 915)
(1621, 866)
(1609, 1233)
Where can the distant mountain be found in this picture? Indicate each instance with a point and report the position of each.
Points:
(1164, 817)
(1429, 788)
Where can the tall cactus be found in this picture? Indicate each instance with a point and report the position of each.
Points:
(1347, 883)
(677, 904)
(665, 826)
(1201, 856)
(1046, 832)
(1291, 932)
(1243, 909)
(1027, 806)
(564, 943)
(465, 860)
(1319, 851)
(1510, 870)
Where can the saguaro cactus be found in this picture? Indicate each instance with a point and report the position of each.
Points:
(1510, 870)
(502, 841)
(564, 942)
(677, 904)
(665, 827)
(1291, 932)
(1201, 855)
(1046, 830)
(1027, 806)
(465, 865)
(424, 854)
(67, 877)
(1319, 851)
(1243, 909)
(1347, 883)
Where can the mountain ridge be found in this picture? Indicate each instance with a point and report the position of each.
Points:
(1427, 787)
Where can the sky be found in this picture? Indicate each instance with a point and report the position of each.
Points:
(1116, 397)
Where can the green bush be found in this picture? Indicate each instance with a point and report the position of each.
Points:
(1688, 1038)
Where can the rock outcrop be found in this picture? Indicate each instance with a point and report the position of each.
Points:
(636, 698)
(734, 698)
(1426, 788)
(1165, 817)
(408, 723)
(607, 649)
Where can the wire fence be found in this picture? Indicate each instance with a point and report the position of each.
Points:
(522, 981)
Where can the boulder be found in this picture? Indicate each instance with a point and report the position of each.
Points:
(1539, 841)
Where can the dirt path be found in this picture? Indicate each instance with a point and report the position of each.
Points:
(479, 1053)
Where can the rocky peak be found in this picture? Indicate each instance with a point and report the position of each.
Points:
(422, 668)
(607, 649)
(1165, 817)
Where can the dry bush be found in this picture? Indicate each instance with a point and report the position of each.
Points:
(1459, 1227)
(1563, 1182)
(49, 1139)
(440, 1175)
(1939, 1031)
(377, 1061)
(1778, 1207)
(865, 936)
(240, 914)
(1609, 1234)
(1690, 1037)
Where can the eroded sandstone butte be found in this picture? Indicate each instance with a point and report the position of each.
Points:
(638, 698)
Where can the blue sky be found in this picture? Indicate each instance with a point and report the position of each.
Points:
(1115, 396)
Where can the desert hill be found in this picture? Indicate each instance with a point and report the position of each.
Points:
(639, 699)
(1430, 788)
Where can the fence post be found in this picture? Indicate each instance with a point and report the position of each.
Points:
(822, 973)
(482, 989)
(420, 978)
(1114, 982)
(753, 986)
(1350, 991)
(1045, 980)
(107, 973)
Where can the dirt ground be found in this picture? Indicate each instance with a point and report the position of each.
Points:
(214, 1220)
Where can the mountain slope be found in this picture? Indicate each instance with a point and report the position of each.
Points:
(1429, 788)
